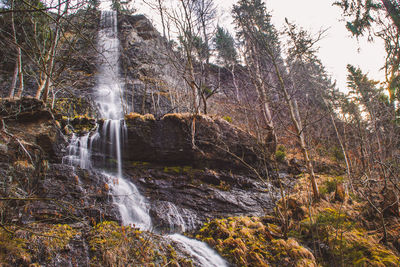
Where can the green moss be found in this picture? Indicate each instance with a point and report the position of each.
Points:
(337, 154)
(58, 237)
(173, 169)
(186, 169)
(13, 250)
(280, 156)
(347, 243)
(139, 117)
(178, 169)
(115, 245)
(24, 246)
(224, 186)
(78, 123)
(140, 163)
(70, 107)
(246, 241)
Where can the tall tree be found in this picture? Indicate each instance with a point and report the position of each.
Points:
(18, 62)
(227, 54)
(254, 31)
(381, 19)
(263, 48)
(205, 12)
(372, 102)
(45, 36)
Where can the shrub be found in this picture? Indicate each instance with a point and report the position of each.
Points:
(227, 118)
(329, 185)
(280, 154)
(337, 154)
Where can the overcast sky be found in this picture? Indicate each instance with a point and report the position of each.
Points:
(337, 49)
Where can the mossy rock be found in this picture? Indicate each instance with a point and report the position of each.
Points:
(35, 244)
(178, 169)
(71, 107)
(115, 245)
(79, 124)
(246, 241)
(133, 116)
(13, 250)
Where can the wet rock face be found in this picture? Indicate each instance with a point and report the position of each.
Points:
(182, 198)
(82, 194)
(216, 143)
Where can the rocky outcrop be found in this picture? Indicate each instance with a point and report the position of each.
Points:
(198, 141)
(59, 215)
(186, 184)
(30, 156)
(147, 70)
(29, 125)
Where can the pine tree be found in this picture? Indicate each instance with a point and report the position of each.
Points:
(369, 17)
(256, 34)
(225, 46)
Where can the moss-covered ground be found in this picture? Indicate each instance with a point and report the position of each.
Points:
(248, 241)
(327, 232)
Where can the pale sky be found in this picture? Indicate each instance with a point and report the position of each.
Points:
(337, 49)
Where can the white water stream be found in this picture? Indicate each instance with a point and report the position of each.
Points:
(110, 137)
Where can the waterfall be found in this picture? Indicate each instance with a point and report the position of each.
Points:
(108, 89)
(200, 251)
(109, 137)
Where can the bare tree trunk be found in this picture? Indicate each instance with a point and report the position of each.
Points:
(51, 64)
(14, 81)
(18, 64)
(160, 9)
(144, 98)
(154, 103)
(340, 141)
(235, 83)
(296, 120)
(20, 74)
(342, 147)
(51, 55)
(258, 83)
(204, 99)
(193, 86)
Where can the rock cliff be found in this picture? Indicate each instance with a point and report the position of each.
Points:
(185, 185)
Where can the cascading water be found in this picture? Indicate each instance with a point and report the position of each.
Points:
(110, 134)
(108, 90)
(200, 251)
(109, 137)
